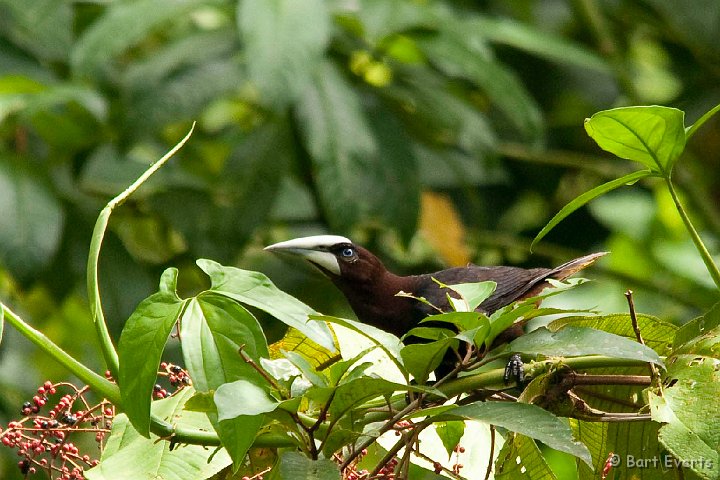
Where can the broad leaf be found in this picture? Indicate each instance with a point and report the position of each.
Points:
(255, 289)
(296, 466)
(581, 200)
(141, 346)
(520, 458)
(526, 419)
(213, 329)
(653, 136)
(577, 341)
(284, 43)
(243, 398)
(422, 358)
(450, 434)
(128, 454)
(689, 333)
(294, 341)
(473, 294)
(689, 409)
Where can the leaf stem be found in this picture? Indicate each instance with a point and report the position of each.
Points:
(93, 285)
(99, 384)
(702, 249)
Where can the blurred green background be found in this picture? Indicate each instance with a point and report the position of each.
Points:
(433, 132)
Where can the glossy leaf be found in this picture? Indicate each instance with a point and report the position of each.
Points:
(31, 220)
(526, 419)
(577, 341)
(128, 454)
(243, 398)
(141, 346)
(581, 200)
(653, 136)
(213, 329)
(282, 52)
(422, 358)
(256, 290)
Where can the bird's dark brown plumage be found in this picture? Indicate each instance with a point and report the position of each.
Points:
(372, 290)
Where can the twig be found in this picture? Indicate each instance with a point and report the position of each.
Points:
(488, 472)
(636, 328)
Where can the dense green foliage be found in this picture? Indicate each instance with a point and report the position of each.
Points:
(434, 132)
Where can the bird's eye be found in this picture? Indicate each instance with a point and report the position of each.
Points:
(348, 252)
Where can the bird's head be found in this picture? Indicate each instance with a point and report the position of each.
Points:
(335, 256)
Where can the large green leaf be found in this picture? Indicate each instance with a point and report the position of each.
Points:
(653, 136)
(121, 26)
(214, 328)
(581, 200)
(141, 346)
(692, 330)
(689, 409)
(526, 419)
(255, 289)
(520, 458)
(422, 358)
(31, 221)
(243, 399)
(128, 454)
(574, 341)
(296, 466)
(284, 43)
(43, 27)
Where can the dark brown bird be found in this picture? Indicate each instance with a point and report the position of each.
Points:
(372, 290)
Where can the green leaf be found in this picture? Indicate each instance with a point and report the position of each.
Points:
(450, 434)
(255, 400)
(141, 346)
(213, 329)
(577, 341)
(296, 466)
(128, 454)
(656, 333)
(306, 368)
(689, 409)
(43, 27)
(520, 458)
(473, 294)
(281, 51)
(697, 327)
(422, 358)
(119, 28)
(538, 42)
(581, 200)
(255, 289)
(343, 148)
(653, 136)
(31, 221)
(526, 419)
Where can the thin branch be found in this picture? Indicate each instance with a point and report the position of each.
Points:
(488, 472)
(636, 328)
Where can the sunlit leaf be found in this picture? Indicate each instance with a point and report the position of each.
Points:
(128, 454)
(520, 458)
(141, 346)
(420, 359)
(653, 136)
(295, 465)
(450, 434)
(255, 401)
(255, 289)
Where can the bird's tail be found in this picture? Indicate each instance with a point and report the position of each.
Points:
(573, 266)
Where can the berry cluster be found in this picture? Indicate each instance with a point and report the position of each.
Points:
(176, 375)
(43, 440)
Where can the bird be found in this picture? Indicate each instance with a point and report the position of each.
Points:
(372, 290)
